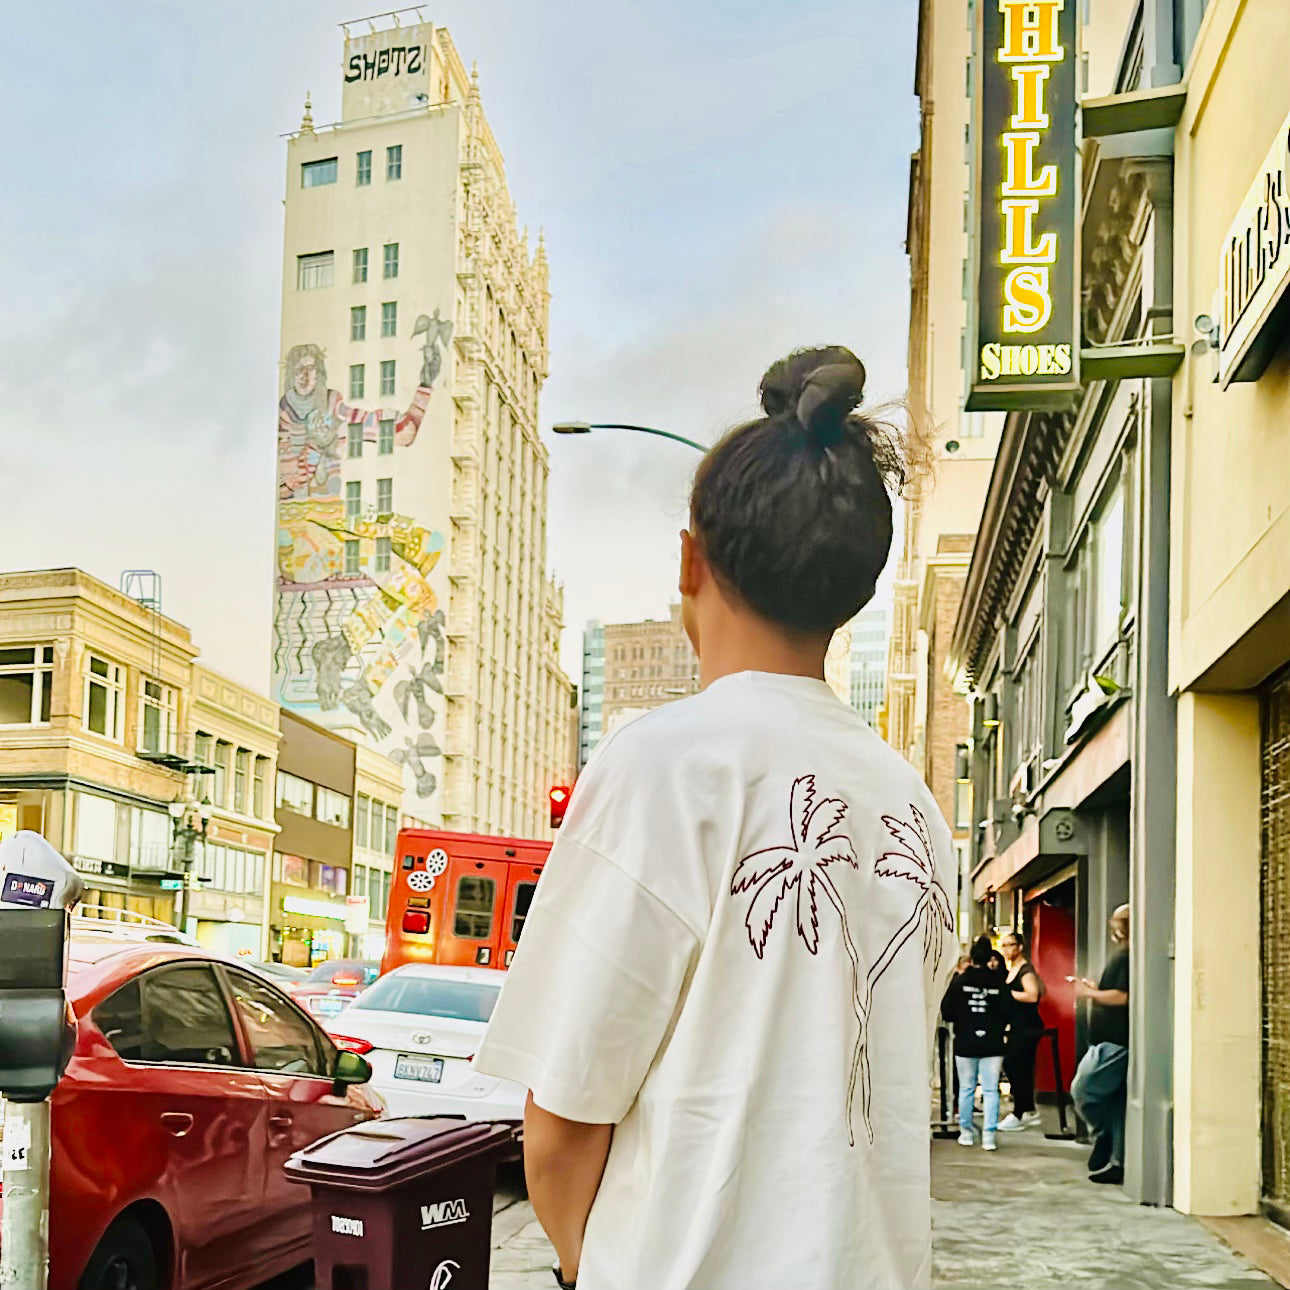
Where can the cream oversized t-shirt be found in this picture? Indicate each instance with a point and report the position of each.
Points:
(734, 955)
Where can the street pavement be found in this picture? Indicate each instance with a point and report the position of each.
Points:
(1022, 1218)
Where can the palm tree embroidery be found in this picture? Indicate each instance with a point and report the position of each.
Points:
(797, 872)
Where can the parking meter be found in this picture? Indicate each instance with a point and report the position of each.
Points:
(36, 1033)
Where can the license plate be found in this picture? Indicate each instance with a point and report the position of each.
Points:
(326, 1006)
(427, 1069)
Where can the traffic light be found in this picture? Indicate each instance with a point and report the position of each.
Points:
(559, 796)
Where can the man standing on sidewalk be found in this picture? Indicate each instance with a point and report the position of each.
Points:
(1098, 1089)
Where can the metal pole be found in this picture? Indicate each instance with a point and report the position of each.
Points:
(24, 1227)
(188, 878)
(662, 434)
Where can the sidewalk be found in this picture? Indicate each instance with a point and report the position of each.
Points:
(1024, 1217)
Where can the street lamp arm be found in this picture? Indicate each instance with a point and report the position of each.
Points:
(585, 427)
(662, 434)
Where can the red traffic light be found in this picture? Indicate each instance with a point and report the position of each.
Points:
(559, 797)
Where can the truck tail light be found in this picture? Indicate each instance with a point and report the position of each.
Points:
(348, 1045)
(416, 921)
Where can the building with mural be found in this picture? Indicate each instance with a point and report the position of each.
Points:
(413, 609)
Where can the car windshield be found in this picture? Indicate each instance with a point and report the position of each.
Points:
(429, 997)
(346, 971)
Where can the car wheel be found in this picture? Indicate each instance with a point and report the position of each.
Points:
(124, 1260)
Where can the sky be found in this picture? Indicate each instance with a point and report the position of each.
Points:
(718, 183)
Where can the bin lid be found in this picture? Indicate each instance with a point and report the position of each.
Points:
(383, 1154)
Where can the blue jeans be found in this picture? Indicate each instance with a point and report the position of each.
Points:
(1098, 1091)
(987, 1070)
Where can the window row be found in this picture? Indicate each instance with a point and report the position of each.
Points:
(354, 438)
(376, 824)
(296, 871)
(352, 556)
(318, 269)
(354, 498)
(358, 385)
(317, 174)
(231, 869)
(307, 798)
(237, 769)
(389, 320)
(375, 884)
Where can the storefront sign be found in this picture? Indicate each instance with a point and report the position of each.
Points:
(356, 914)
(1024, 330)
(1255, 270)
(313, 908)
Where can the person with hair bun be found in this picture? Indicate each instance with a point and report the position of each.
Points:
(723, 1003)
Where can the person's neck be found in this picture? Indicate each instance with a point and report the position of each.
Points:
(751, 645)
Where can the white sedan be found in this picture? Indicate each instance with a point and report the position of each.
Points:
(419, 1026)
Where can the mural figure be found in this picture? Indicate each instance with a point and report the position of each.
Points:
(342, 635)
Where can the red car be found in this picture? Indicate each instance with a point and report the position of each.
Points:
(192, 1082)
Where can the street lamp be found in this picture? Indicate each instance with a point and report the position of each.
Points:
(586, 427)
(191, 820)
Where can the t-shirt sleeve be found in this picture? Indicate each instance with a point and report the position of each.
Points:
(1116, 976)
(592, 992)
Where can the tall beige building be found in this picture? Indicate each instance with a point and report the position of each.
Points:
(413, 607)
(646, 665)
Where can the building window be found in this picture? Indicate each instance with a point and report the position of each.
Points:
(363, 175)
(394, 162)
(360, 264)
(387, 376)
(314, 174)
(219, 781)
(385, 438)
(26, 684)
(157, 721)
(357, 380)
(104, 697)
(295, 794)
(354, 439)
(358, 322)
(391, 260)
(362, 811)
(390, 318)
(332, 807)
(385, 496)
(314, 271)
(1108, 572)
(241, 779)
(353, 499)
(383, 550)
(391, 830)
(353, 557)
(257, 791)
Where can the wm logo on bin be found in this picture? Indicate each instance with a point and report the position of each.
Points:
(443, 1213)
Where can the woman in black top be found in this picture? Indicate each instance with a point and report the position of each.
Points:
(976, 1005)
(1025, 1030)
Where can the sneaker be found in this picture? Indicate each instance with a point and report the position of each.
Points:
(1113, 1174)
(1010, 1124)
(1032, 1120)
(988, 1142)
(1100, 1156)
(967, 1138)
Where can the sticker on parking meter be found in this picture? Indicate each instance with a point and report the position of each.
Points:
(19, 889)
(17, 1146)
(441, 1277)
(346, 1226)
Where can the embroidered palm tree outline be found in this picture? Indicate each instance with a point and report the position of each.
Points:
(798, 872)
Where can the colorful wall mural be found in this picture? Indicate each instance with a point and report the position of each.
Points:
(358, 641)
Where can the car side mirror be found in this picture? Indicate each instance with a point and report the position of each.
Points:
(351, 1069)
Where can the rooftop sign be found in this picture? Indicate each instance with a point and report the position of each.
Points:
(1024, 330)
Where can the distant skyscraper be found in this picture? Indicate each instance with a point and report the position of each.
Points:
(413, 604)
(869, 661)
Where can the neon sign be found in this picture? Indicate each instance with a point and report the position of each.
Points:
(1023, 319)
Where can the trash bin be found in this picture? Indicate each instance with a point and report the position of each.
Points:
(403, 1204)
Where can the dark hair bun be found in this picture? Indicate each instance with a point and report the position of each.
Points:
(817, 388)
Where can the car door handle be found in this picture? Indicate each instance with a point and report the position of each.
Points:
(279, 1127)
(177, 1122)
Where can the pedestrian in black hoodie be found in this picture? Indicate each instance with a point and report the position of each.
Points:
(976, 1005)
